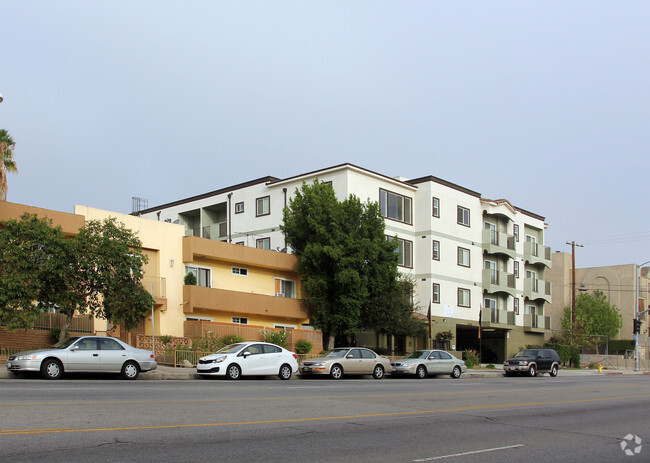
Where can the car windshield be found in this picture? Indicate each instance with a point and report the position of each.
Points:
(230, 349)
(525, 353)
(418, 354)
(337, 354)
(66, 343)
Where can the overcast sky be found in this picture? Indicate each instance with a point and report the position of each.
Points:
(546, 104)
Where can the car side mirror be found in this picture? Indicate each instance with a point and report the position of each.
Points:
(246, 354)
(349, 356)
(73, 348)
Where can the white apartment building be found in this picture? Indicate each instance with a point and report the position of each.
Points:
(469, 255)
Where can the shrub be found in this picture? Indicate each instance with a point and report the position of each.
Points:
(303, 347)
(569, 355)
(278, 338)
(621, 345)
(190, 279)
(55, 332)
(166, 339)
(491, 366)
(471, 358)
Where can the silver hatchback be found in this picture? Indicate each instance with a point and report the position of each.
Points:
(85, 354)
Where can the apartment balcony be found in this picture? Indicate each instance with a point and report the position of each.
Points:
(499, 282)
(537, 323)
(217, 231)
(498, 243)
(537, 254)
(198, 299)
(157, 287)
(498, 319)
(537, 289)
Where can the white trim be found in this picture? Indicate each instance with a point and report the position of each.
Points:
(197, 318)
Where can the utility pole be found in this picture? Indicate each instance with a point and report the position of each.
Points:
(573, 245)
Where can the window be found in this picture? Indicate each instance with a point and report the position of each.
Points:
(196, 318)
(436, 207)
(405, 252)
(491, 305)
(436, 293)
(263, 206)
(203, 275)
(394, 206)
(263, 243)
(436, 250)
(464, 297)
(285, 288)
(463, 216)
(109, 344)
(87, 344)
(239, 243)
(240, 320)
(239, 208)
(463, 257)
(515, 231)
(284, 326)
(516, 269)
(239, 271)
(516, 305)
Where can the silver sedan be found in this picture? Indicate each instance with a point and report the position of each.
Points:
(85, 354)
(423, 363)
(347, 360)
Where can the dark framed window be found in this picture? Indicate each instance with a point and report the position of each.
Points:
(436, 293)
(436, 250)
(463, 257)
(262, 206)
(516, 305)
(239, 208)
(515, 232)
(395, 207)
(404, 251)
(263, 243)
(515, 269)
(464, 297)
(463, 216)
(435, 207)
(240, 320)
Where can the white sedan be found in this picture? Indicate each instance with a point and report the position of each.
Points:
(249, 359)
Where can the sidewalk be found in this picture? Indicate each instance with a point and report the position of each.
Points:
(164, 372)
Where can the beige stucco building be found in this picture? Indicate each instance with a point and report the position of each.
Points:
(618, 284)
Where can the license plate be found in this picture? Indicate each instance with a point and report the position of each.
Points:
(306, 369)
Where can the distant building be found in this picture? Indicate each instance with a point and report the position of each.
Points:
(469, 255)
(616, 281)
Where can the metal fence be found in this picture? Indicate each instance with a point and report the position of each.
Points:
(81, 324)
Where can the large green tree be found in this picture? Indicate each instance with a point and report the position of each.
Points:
(349, 268)
(595, 320)
(98, 272)
(7, 162)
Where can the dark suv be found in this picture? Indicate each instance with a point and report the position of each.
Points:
(533, 361)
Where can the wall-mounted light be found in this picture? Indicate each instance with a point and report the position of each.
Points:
(171, 262)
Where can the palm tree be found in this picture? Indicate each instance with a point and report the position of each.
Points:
(7, 163)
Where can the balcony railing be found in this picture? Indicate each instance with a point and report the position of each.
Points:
(537, 323)
(216, 231)
(156, 286)
(495, 282)
(537, 289)
(537, 254)
(498, 243)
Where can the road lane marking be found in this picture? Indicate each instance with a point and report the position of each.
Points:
(14, 432)
(262, 399)
(473, 452)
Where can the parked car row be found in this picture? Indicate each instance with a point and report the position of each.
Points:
(101, 354)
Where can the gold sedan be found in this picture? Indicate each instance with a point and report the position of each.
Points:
(349, 361)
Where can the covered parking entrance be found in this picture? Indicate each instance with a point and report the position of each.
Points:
(492, 344)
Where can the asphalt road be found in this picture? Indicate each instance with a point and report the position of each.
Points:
(353, 420)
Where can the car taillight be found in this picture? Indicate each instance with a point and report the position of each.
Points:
(151, 356)
(295, 356)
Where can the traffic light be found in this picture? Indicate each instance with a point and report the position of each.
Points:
(637, 326)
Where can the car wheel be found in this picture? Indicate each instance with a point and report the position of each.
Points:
(421, 372)
(233, 372)
(532, 371)
(553, 371)
(455, 373)
(336, 372)
(285, 372)
(51, 369)
(130, 370)
(378, 372)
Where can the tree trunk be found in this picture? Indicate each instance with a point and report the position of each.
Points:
(66, 326)
(330, 342)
